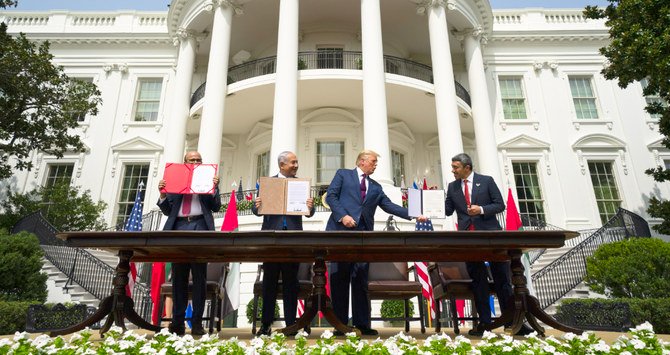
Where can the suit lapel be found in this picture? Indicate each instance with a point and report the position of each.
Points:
(475, 189)
(458, 186)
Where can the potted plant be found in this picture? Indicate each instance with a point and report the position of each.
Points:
(395, 309)
(259, 313)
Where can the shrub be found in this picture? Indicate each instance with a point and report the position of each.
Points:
(615, 314)
(259, 313)
(20, 265)
(632, 268)
(67, 208)
(13, 317)
(395, 309)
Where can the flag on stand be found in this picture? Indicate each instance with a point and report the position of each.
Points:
(250, 193)
(422, 271)
(513, 223)
(240, 193)
(232, 300)
(157, 279)
(403, 190)
(414, 185)
(301, 307)
(134, 224)
(425, 184)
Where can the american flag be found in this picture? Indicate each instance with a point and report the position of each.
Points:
(134, 224)
(422, 270)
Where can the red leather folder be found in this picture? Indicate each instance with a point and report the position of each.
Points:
(189, 178)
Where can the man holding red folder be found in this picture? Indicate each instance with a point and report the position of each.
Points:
(189, 212)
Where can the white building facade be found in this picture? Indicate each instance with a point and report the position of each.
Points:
(418, 81)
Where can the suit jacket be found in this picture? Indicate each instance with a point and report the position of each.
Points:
(485, 193)
(276, 222)
(344, 198)
(209, 203)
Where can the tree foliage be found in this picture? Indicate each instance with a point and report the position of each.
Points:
(39, 104)
(66, 207)
(632, 268)
(7, 3)
(640, 49)
(20, 265)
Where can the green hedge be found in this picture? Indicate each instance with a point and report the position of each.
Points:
(13, 316)
(615, 314)
(395, 309)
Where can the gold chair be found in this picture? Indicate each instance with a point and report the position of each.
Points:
(451, 281)
(390, 281)
(304, 290)
(215, 291)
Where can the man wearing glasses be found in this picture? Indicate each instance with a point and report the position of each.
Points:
(189, 212)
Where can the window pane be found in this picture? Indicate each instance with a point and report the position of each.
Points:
(148, 99)
(262, 165)
(528, 190)
(59, 173)
(583, 98)
(81, 117)
(328, 58)
(604, 189)
(329, 158)
(398, 161)
(652, 99)
(513, 99)
(132, 175)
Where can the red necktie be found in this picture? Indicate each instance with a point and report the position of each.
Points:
(363, 188)
(467, 202)
(186, 205)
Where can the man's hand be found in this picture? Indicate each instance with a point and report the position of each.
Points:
(474, 210)
(348, 221)
(215, 181)
(257, 202)
(161, 187)
(310, 203)
(422, 219)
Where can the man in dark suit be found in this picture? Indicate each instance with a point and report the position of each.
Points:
(353, 198)
(189, 212)
(477, 200)
(288, 167)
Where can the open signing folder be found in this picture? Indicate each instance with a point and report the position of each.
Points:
(429, 203)
(189, 178)
(284, 196)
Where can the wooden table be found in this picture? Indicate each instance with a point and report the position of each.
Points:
(319, 247)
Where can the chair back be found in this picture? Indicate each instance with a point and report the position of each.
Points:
(388, 272)
(454, 270)
(305, 272)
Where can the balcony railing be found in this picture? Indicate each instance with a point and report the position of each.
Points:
(330, 60)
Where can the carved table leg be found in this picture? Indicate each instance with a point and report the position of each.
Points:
(319, 301)
(117, 306)
(524, 306)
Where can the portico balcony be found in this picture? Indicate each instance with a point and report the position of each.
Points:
(336, 59)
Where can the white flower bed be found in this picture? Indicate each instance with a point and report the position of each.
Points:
(641, 340)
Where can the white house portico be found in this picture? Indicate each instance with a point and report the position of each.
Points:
(416, 80)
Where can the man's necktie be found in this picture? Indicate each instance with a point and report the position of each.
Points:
(466, 192)
(363, 188)
(186, 205)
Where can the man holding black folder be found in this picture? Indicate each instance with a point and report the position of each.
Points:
(189, 212)
(288, 167)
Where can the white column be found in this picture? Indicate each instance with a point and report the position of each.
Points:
(448, 124)
(285, 116)
(487, 151)
(181, 97)
(211, 125)
(375, 121)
